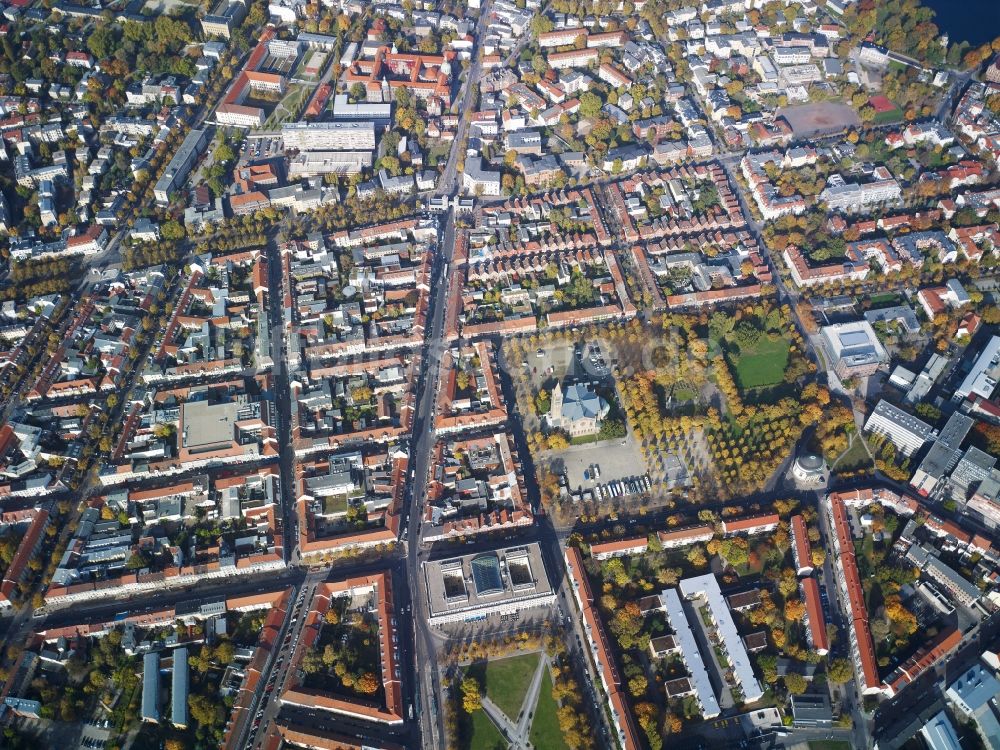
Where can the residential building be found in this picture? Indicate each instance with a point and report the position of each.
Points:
(180, 165)
(700, 682)
(179, 688)
(801, 551)
(814, 620)
(600, 652)
(706, 589)
(619, 548)
(750, 526)
(151, 687)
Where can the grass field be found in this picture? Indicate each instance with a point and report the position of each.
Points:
(762, 365)
(507, 681)
(485, 735)
(886, 299)
(855, 457)
(335, 504)
(829, 745)
(884, 118)
(545, 731)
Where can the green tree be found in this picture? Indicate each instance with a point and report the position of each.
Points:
(172, 230)
(590, 105)
(840, 671)
(795, 684)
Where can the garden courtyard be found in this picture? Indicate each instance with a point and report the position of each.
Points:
(515, 701)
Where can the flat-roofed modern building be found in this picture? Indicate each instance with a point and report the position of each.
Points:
(939, 734)
(701, 684)
(329, 136)
(974, 695)
(151, 687)
(487, 585)
(944, 454)
(316, 163)
(982, 378)
(179, 689)
(811, 711)
(854, 348)
(905, 431)
(379, 113)
(706, 588)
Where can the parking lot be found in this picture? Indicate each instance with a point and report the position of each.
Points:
(613, 461)
(586, 361)
(258, 148)
(95, 736)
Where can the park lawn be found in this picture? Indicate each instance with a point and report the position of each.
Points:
(762, 365)
(545, 730)
(855, 457)
(507, 681)
(829, 745)
(485, 735)
(886, 298)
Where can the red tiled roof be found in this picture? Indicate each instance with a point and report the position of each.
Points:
(814, 614)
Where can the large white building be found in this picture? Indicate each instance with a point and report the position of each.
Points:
(982, 378)
(854, 348)
(475, 179)
(840, 195)
(690, 653)
(314, 163)
(489, 586)
(329, 136)
(905, 431)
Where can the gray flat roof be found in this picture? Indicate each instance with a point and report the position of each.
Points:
(677, 619)
(151, 686)
(467, 583)
(207, 424)
(179, 689)
(707, 586)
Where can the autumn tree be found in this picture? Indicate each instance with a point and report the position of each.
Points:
(637, 686)
(794, 609)
(795, 684)
(840, 671)
(367, 684)
(472, 699)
